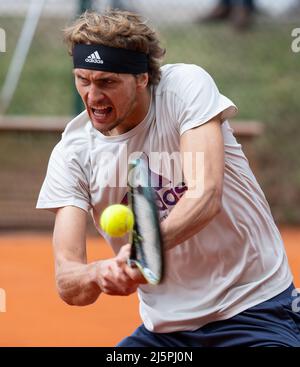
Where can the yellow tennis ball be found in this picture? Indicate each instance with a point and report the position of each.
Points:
(116, 220)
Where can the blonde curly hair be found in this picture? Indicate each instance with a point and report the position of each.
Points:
(121, 29)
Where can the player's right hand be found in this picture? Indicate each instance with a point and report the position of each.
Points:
(115, 277)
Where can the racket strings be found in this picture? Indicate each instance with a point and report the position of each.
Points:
(147, 232)
(146, 238)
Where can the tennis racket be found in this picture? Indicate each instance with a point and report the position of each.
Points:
(146, 240)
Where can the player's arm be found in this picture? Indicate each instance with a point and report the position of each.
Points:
(73, 274)
(78, 282)
(202, 200)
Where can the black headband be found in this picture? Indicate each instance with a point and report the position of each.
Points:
(104, 58)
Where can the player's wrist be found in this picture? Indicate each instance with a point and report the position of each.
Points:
(94, 273)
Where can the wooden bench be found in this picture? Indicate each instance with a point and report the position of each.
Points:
(19, 187)
(247, 129)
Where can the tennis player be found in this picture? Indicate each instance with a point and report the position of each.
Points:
(227, 280)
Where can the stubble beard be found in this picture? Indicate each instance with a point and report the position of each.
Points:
(120, 120)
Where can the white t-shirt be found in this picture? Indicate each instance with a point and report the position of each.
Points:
(235, 262)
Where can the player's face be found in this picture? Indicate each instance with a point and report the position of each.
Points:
(115, 102)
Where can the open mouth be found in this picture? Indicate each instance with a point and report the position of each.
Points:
(102, 112)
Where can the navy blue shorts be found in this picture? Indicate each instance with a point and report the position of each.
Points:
(272, 323)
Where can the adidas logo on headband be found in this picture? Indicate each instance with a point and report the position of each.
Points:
(113, 59)
(95, 58)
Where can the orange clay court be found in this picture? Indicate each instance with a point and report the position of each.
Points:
(35, 315)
